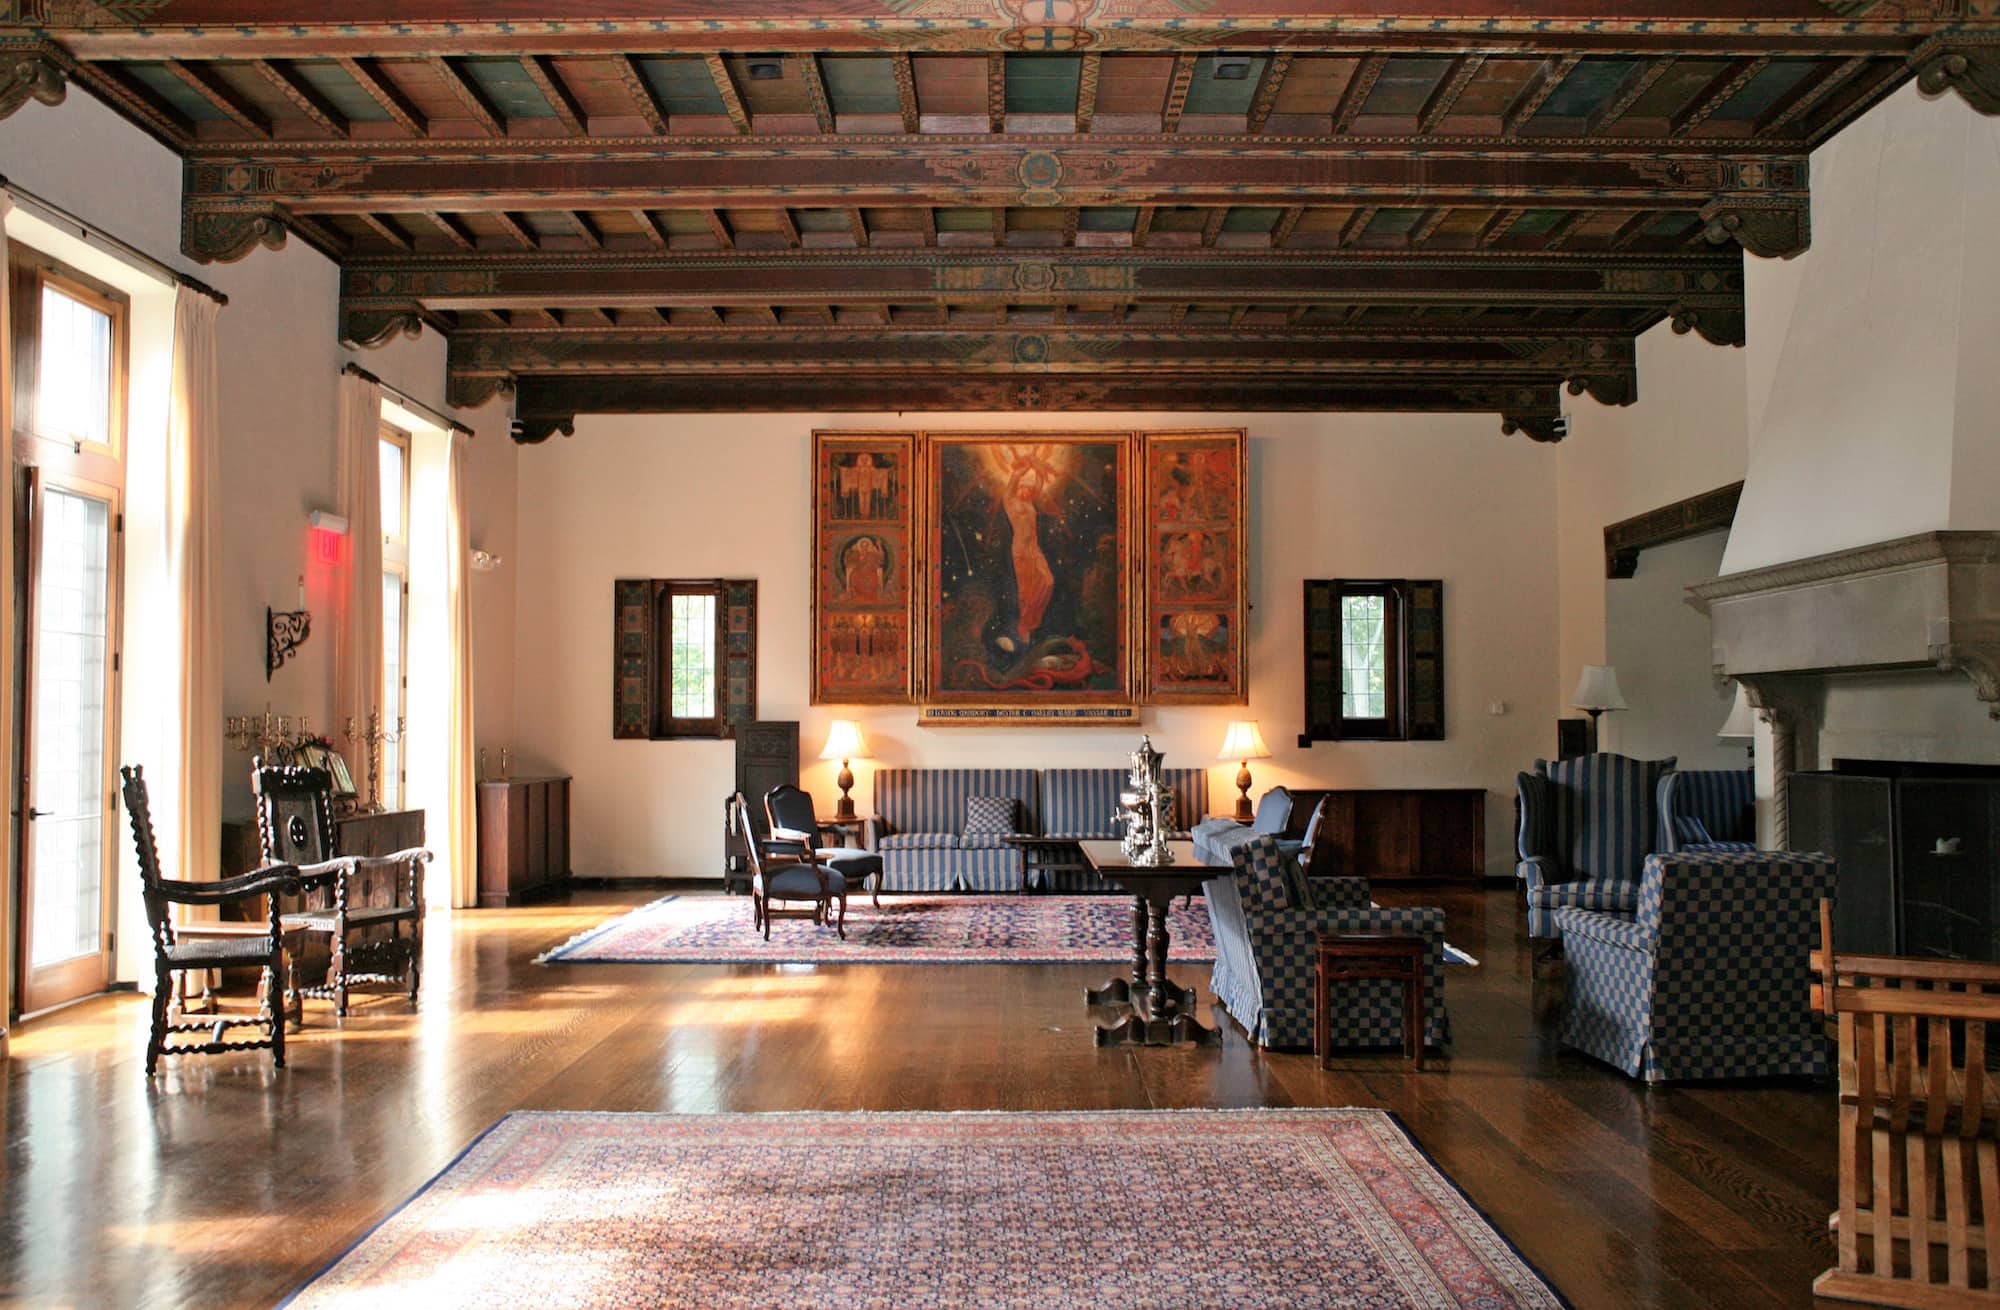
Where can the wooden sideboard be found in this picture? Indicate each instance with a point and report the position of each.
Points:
(1429, 833)
(523, 839)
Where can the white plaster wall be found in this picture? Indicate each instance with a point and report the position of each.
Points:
(1872, 353)
(1684, 436)
(1661, 648)
(1358, 495)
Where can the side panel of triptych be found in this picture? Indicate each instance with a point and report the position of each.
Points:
(1197, 587)
(863, 484)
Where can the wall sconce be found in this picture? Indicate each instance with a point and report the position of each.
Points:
(284, 632)
(485, 561)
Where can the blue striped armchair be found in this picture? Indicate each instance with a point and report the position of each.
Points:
(1707, 977)
(1587, 825)
(1268, 916)
(1708, 810)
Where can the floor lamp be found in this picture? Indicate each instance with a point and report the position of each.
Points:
(1597, 691)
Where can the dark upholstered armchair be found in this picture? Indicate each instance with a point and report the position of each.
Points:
(777, 881)
(263, 950)
(1215, 839)
(1587, 825)
(795, 829)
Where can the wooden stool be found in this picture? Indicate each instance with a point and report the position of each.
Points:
(1365, 957)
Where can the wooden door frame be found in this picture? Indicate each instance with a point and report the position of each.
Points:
(35, 994)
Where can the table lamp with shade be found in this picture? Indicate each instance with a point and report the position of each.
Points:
(1243, 743)
(844, 743)
(1741, 725)
(1597, 691)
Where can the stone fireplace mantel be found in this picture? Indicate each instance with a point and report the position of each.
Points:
(1926, 601)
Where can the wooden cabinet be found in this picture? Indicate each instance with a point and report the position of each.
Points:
(1429, 833)
(523, 839)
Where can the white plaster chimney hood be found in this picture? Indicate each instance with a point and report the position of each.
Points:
(1931, 600)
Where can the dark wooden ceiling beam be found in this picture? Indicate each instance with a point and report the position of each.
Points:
(454, 231)
(725, 87)
(388, 231)
(1716, 94)
(1536, 93)
(470, 96)
(1635, 84)
(1807, 95)
(1072, 221)
(1088, 73)
(857, 227)
(580, 224)
(645, 100)
(649, 227)
(1560, 231)
(1359, 88)
(138, 102)
(1265, 99)
(521, 234)
(303, 95)
(548, 80)
(208, 84)
(1632, 229)
(927, 224)
(1281, 231)
(788, 228)
(1142, 224)
(1177, 93)
(1450, 87)
(1428, 225)
(1357, 224)
(1211, 227)
(906, 93)
(999, 216)
(369, 76)
(822, 108)
(718, 226)
(806, 173)
(1498, 226)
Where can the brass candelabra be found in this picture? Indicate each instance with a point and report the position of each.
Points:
(276, 737)
(374, 737)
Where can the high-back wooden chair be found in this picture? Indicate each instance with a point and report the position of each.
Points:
(172, 955)
(367, 913)
(1919, 1117)
(776, 881)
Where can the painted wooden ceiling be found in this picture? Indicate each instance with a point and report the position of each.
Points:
(1007, 204)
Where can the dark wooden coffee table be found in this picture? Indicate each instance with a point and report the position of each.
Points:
(1161, 1013)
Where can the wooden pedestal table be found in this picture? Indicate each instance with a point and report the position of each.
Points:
(1161, 1012)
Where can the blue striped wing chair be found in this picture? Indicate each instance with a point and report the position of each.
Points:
(920, 815)
(1707, 978)
(1264, 942)
(1708, 810)
(1587, 825)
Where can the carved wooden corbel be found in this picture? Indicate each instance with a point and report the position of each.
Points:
(31, 77)
(1606, 388)
(369, 328)
(1969, 65)
(226, 235)
(1772, 229)
(1718, 326)
(534, 429)
(1538, 427)
(471, 390)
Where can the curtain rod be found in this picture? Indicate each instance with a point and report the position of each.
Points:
(442, 420)
(89, 231)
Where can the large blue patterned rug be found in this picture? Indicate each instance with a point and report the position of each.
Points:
(923, 929)
(1230, 1209)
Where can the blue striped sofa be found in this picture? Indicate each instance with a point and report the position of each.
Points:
(1708, 810)
(1264, 950)
(1707, 978)
(1082, 805)
(920, 821)
(1587, 825)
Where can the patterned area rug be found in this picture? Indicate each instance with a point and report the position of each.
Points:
(955, 929)
(1238, 1209)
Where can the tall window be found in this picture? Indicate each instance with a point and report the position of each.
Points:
(1370, 660)
(395, 449)
(691, 638)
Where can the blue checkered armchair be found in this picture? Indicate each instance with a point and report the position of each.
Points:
(1587, 825)
(1268, 916)
(1708, 810)
(1707, 978)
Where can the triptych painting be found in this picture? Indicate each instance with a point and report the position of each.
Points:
(994, 577)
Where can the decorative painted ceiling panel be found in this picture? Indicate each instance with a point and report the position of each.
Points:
(995, 204)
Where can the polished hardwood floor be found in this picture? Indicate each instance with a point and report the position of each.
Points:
(225, 1183)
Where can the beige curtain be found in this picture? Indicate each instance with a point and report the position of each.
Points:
(461, 778)
(358, 658)
(6, 627)
(193, 449)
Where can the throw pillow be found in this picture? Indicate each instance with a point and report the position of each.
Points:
(990, 816)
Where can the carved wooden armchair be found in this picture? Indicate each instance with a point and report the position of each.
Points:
(365, 914)
(172, 955)
(776, 881)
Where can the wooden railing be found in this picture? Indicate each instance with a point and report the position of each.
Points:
(1919, 1115)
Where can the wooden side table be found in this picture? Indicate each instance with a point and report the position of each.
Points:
(1364, 957)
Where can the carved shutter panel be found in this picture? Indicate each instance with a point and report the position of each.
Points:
(739, 655)
(1423, 651)
(1322, 661)
(632, 658)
